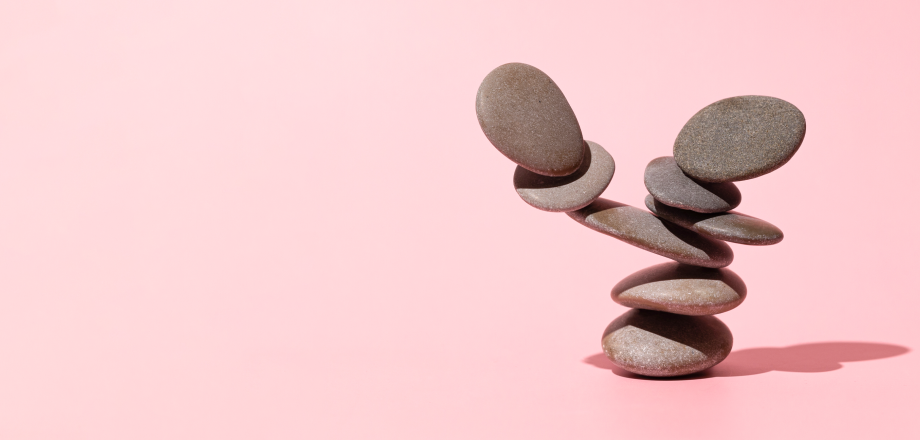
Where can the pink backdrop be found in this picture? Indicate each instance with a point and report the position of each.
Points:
(280, 220)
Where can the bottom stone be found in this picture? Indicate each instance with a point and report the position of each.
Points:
(661, 344)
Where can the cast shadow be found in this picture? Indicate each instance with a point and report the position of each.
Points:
(817, 357)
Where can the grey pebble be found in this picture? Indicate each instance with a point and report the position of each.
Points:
(527, 118)
(739, 138)
(665, 180)
(728, 226)
(662, 344)
(681, 289)
(567, 193)
(642, 229)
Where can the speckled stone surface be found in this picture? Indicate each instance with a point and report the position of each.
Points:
(665, 180)
(662, 344)
(567, 193)
(739, 138)
(729, 226)
(527, 118)
(642, 229)
(682, 289)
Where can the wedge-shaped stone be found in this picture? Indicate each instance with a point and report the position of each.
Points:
(665, 180)
(682, 289)
(654, 343)
(645, 231)
(729, 226)
(567, 193)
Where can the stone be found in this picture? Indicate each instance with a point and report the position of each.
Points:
(645, 231)
(665, 180)
(662, 344)
(681, 289)
(527, 118)
(728, 226)
(567, 193)
(739, 138)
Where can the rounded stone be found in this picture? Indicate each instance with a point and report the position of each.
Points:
(665, 180)
(527, 118)
(728, 226)
(681, 289)
(739, 138)
(662, 344)
(567, 193)
(645, 231)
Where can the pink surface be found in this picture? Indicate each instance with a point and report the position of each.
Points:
(280, 220)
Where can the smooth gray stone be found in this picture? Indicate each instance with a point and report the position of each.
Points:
(681, 289)
(665, 180)
(662, 344)
(728, 226)
(567, 193)
(527, 118)
(645, 231)
(739, 138)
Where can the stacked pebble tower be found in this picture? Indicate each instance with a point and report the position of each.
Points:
(670, 330)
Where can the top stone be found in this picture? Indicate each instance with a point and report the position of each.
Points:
(527, 118)
(739, 138)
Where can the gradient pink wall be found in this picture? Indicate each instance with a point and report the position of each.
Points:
(280, 220)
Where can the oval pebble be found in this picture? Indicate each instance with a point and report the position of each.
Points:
(645, 231)
(739, 138)
(728, 226)
(527, 118)
(665, 180)
(567, 193)
(663, 344)
(681, 289)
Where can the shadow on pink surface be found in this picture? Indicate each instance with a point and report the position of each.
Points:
(817, 357)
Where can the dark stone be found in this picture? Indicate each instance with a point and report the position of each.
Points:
(739, 138)
(728, 226)
(567, 193)
(682, 289)
(527, 118)
(665, 180)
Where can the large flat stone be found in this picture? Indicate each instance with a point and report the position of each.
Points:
(728, 226)
(739, 138)
(642, 229)
(681, 289)
(663, 344)
(527, 118)
(567, 193)
(665, 180)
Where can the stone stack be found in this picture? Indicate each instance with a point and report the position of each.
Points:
(671, 330)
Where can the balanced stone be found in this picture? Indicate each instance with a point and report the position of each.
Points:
(660, 344)
(567, 193)
(645, 231)
(682, 289)
(729, 226)
(665, 180)
(739, 138)
(527, 118)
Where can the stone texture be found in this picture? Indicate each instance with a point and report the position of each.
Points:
(728, 226)
(567, 193)
(662, 344)
(645, 231)
(527, 118)
(665, 180)
(682, 289)
(739, 138)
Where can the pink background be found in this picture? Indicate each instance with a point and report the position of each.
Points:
(280, 220)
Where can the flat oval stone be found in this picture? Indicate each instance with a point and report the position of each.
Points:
(728, 226)
(663, 344)
(665, 180)
(681, 289)
(527, 118)
(645, 231)
(567, 193)
(739, 138)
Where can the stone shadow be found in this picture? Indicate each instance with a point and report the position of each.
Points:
(817, 357)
